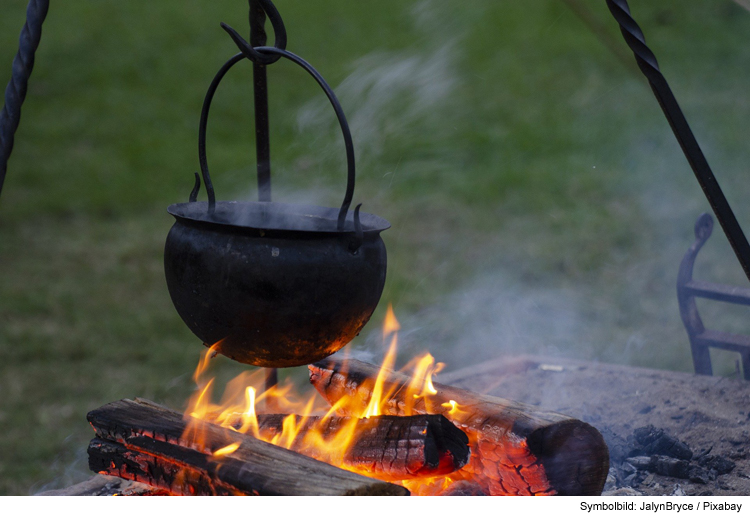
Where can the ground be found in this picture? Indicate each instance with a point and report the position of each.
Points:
(709, 414)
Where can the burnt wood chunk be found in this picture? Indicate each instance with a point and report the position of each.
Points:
(649, 441)
(385, 447)
(516, 449)
(138, 440)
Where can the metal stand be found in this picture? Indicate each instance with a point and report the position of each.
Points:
(15, 93)
(260, 83)
(650, 68)
(701, 339)
(258, 38)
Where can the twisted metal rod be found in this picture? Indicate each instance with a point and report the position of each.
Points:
(258, 38)
(650, 68)
(15, 93)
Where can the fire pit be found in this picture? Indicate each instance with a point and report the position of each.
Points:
(668, 433)
(414, 434)
(678, 405)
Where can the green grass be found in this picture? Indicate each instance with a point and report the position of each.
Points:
(539, 202)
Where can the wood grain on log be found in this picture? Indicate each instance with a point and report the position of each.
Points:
(139, 441)
(515, 448)
(385, 447)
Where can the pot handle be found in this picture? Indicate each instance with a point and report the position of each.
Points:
(250, 53)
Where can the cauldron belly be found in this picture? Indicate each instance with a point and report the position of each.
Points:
(273, 302)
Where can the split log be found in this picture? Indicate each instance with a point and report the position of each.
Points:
(516, 449)
(140, 441)
(386, 447)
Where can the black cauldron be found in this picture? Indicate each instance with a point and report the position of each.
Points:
(272, 284)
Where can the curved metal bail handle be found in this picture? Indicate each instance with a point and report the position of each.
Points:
(650, 68)
(202, 157)
(246, 50)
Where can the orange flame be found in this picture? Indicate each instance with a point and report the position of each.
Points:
(390, 324)
(453, 407)
(226, 450)
(240, 404)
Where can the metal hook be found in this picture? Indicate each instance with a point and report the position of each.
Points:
(261, 9)
(279, 31)
(246, 49)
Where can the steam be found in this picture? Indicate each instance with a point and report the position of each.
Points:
(383, 84)
(388, 93)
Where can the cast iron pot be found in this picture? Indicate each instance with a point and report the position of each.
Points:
(278, 287)
(271, 284)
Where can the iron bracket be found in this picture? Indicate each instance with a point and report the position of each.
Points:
(701, 339)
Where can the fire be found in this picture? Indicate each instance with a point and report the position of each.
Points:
(243, 399)
(453, 407)
(390, 329)
(390, 324)
(226, 450)
(428, 487)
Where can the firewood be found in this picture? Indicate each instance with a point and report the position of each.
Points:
(516, 449)
(137, 440)
(385, 447)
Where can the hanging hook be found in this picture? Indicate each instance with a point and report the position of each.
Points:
(278, 28)
(268, 9)
(248, 50)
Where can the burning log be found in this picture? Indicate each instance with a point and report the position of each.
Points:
(385, 447)
(138, 440)
(515, 449)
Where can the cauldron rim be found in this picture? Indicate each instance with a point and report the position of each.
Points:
(274, 216)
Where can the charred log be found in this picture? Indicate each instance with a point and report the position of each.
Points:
(385, 447)
(515, 448)
(138, 440)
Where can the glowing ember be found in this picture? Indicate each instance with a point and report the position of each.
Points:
(241, 402)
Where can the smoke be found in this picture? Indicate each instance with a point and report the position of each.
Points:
(494, 316)
(388, 94)
(68, 468)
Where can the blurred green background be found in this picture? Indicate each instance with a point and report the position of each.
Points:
(538, 199)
